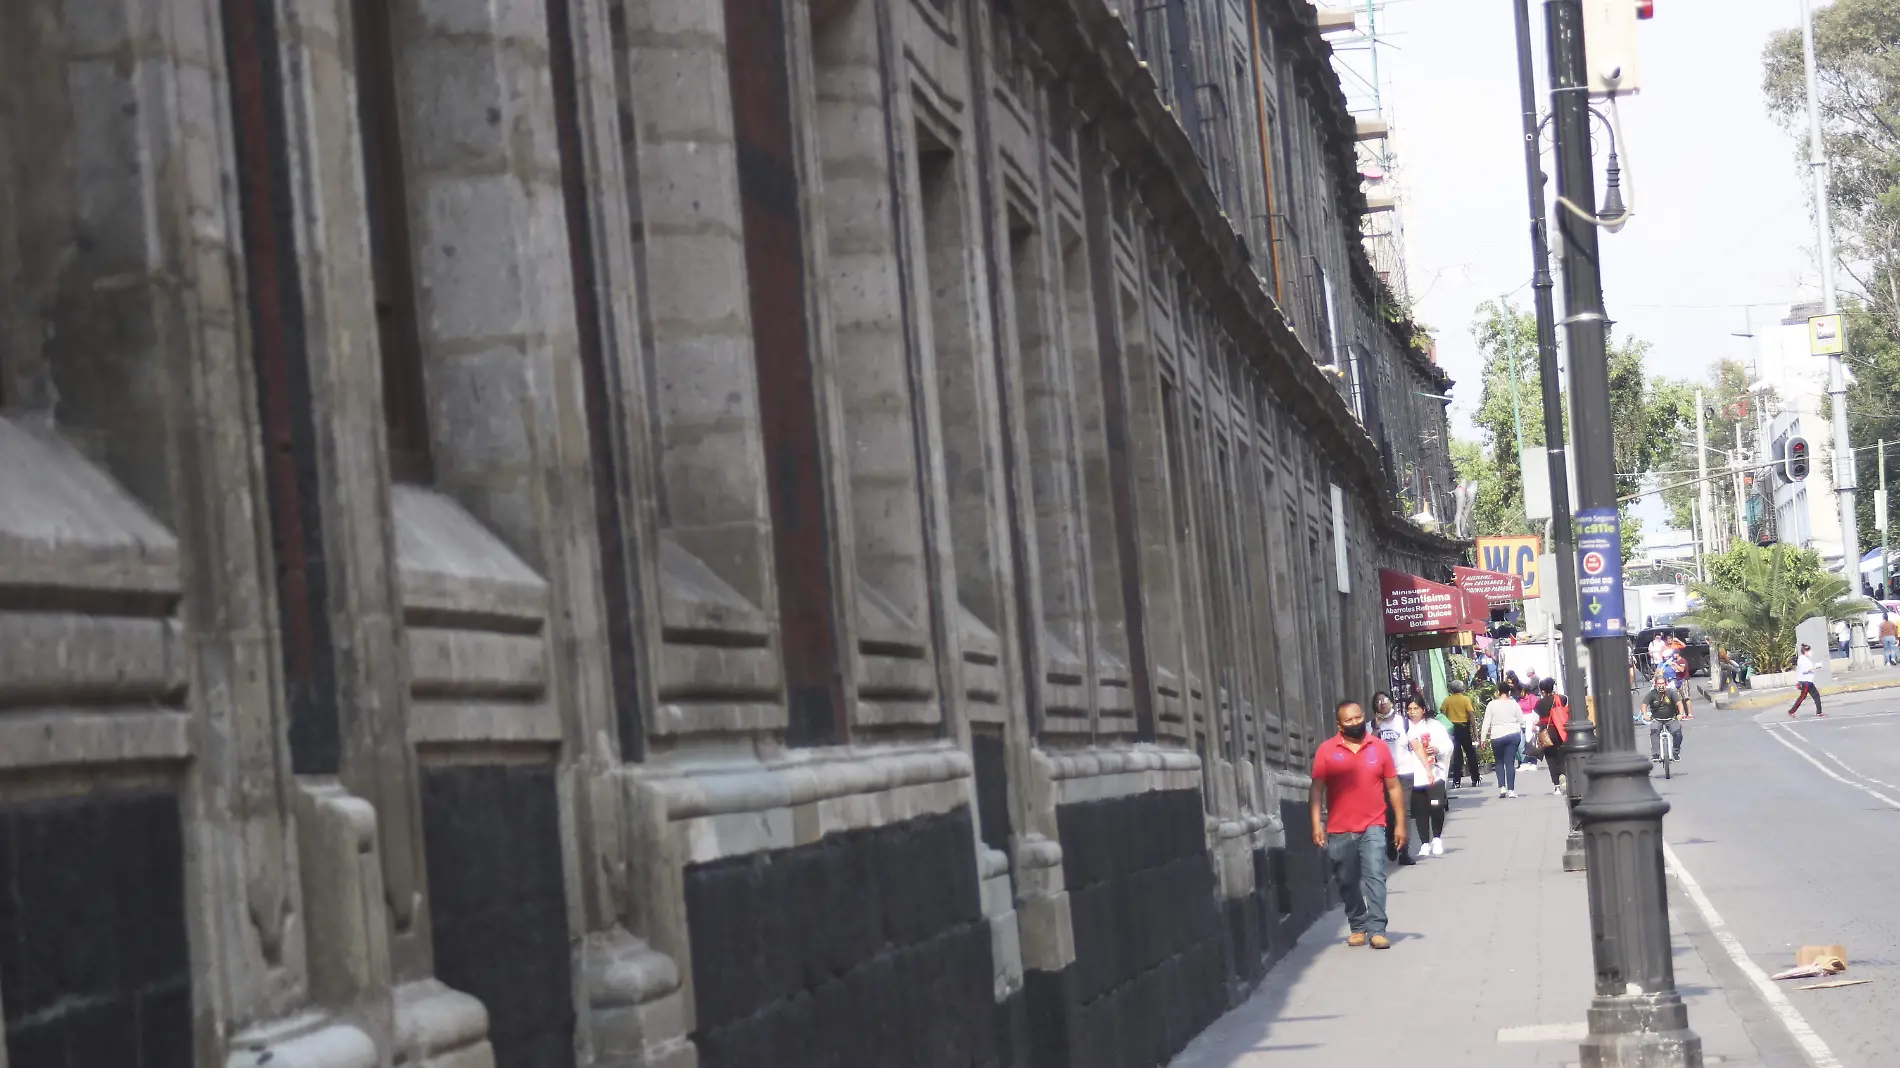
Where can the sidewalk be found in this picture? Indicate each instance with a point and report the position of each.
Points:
(1874, 678)
(1490, 965)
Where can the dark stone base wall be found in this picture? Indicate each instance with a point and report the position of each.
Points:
(1289, 893)
(1157, 957)
(492, 836)
(1300, 874)
(866, 948)
(94, 961)
(1150, 959)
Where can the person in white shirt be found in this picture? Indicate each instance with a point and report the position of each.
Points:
(1804, 682)
(1427, 755)
(1657, 650)
(1388, 723)
(1504, 726)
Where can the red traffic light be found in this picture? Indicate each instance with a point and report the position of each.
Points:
(1645, 9)
(1796, 465)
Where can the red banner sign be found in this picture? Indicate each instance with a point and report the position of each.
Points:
(1477, 612)
(1495, 587)
(1419, 606)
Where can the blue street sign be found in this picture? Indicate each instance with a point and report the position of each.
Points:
(1600, 572)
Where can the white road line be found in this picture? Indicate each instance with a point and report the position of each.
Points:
(1828, 753)
(1825, 770)
(1819, 1056)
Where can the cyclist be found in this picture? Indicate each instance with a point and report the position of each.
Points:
(1662, 708)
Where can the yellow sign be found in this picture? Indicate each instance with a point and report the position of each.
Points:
(1512, 556)
(1827, 335)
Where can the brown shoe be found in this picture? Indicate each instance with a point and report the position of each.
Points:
(1381, 942)
(1357, 938)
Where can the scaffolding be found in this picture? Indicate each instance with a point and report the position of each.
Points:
(1356, 62)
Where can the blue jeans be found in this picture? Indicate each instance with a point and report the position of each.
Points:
(1656, 727)
(1358, 861)
(1891, 646)
(1504, 750)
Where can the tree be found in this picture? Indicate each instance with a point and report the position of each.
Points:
(1873, 408)
(1725, 397)
(1857, 62)
(1646, 417)
(1505, 335)
(1857, 65)
(1494, 511)
(1756, 595)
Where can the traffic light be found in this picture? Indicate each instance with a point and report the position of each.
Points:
(1797, 459)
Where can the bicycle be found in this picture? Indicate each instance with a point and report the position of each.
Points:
(1667, 749)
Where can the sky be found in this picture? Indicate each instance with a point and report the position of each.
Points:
(1721, 236)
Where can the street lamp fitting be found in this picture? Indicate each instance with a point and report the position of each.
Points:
(1613, 215)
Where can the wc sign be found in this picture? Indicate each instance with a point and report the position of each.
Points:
(1515, 555)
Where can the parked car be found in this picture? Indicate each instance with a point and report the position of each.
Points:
(1695, 647)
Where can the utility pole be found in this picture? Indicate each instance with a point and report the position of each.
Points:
(1705, 504)
(1741, 502)
(1844, 474)
(1583, 735)
(1886, 575)
(1637, 1017)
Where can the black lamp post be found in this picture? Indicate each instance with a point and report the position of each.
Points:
(1637, 1017)
(1582, 733)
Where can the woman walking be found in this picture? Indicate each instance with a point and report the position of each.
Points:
(1553, 731)
(1388, 722)
(1428, 748)
(1527, 704)
(1504, 726)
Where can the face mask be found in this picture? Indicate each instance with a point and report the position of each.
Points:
(1354, 732)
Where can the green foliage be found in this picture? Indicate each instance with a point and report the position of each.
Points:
(1756, 595)
(1857, 57)
(1725, 388)
(1873, 410)
(1505, 335)
(1646, 417)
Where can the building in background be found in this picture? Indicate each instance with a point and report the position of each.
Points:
(644, 533)
(1804, 513)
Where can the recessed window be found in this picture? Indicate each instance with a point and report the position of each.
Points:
(405, 401)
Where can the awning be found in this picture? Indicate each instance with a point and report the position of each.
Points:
(1495, 587)
(1414, 605)
(1477, 611)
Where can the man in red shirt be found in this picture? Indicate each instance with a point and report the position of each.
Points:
(1356, 779)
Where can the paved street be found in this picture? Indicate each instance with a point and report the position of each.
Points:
(1789, 830)
(1785, 833)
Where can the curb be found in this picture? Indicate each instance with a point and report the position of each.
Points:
(1770, 698)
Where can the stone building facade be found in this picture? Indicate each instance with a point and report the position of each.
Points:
(669, 532)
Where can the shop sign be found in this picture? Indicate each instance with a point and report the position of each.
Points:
(1414, 605)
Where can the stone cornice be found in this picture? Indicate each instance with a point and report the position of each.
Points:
(1115, 93)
